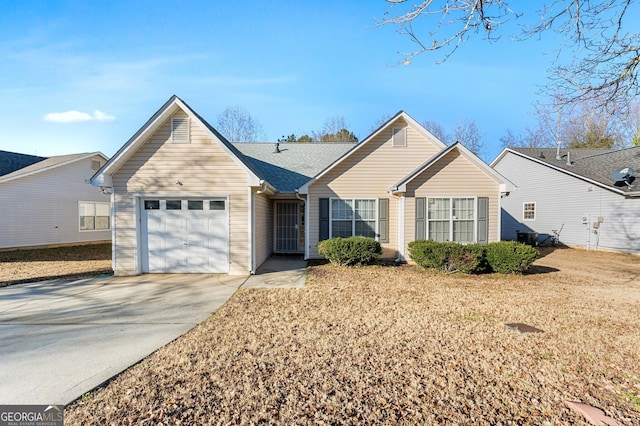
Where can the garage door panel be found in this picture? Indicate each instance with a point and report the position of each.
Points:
(186, 241)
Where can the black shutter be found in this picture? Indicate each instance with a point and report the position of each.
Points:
(323, 232)
(421, 218)
(483, 220)
(383, 219)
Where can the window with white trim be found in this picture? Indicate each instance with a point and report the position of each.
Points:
(529, 211)
(94, 216)
(399, 136)
(180, 130)
(353, 216)
(451, 219)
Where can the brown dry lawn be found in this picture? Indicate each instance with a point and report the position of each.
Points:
(40, 264)
(399, 345)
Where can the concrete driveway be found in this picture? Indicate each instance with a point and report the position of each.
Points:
(60, 339)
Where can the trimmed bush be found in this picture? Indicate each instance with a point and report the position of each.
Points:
(510, 257)
(428, 253)
(350, 251)
(507, 257)
(448, 256)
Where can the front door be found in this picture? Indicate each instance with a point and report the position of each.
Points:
(289, 227)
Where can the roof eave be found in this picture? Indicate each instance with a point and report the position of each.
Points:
(51, 167)
(570, 173)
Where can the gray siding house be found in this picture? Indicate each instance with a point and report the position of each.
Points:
(572, 197)
(47, 202)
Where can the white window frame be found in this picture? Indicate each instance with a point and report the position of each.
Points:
(452, 219)
(399, 136)
(525, 210)
(182, 136)
(95, 204)
(353, 218)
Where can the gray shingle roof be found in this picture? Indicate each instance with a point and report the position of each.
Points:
(44, 163)
(595, 164)
(294, 165)
(12, 161)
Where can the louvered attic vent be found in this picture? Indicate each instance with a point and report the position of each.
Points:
(399, 136)
(180, 129)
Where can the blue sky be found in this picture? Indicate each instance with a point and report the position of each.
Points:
(291, 64)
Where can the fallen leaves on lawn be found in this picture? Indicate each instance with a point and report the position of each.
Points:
(398, 345)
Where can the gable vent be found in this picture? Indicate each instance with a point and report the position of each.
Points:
(399, 136)
(180, 129)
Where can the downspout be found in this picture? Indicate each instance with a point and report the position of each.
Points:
(400, 213)
(263, 187)
(306, 225)
(252, 226)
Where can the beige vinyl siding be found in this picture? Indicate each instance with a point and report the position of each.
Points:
(369, 173)
(263, 228)
(202, 168)
(453, 176)
(41, 209)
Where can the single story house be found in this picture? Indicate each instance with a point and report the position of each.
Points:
(570, 194)
(47, 202)
(187, 200)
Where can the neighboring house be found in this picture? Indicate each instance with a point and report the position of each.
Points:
(47, 201)
(573, 196)
(187, 200)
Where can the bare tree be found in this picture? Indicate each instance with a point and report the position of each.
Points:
(467, 133)
(237, 125)
(379, 122)
(580, 125)
(533, 137)
(595, 33)
(437, 130)
(334, 129)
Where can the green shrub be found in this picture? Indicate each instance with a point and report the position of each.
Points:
(428, 253)
(510, 257)
(448, 256)
(350, 251)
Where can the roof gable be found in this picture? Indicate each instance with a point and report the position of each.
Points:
(506, 185)
(401, 115)
(49, 164)
(174, 104)
(593, 165)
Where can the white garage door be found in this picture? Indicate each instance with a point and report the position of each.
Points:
(185, 236)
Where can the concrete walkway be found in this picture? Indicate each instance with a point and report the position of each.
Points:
(279, 272)
(59, 339)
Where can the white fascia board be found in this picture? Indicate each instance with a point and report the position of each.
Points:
(499, 157)
(53, 166)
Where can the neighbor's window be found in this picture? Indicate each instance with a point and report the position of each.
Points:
(94, 216)
(451, 219)
(529, 211)
(351, 217)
